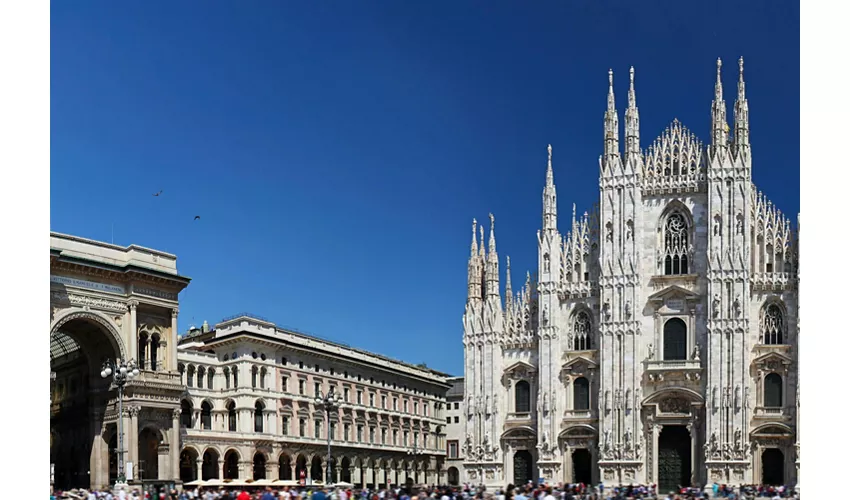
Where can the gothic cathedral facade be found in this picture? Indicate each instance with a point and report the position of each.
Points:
(658, 342)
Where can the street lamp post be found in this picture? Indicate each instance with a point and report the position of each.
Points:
(331, 402)
(121, 372)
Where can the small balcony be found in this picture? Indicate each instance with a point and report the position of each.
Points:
(772, 413)
(686, 370)
(577, 416)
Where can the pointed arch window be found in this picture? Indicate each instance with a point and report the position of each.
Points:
(772, 325)
(676, 244)
(522, 397)
(581, 394)
(582, 329)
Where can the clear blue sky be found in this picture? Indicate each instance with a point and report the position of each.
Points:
(337, 151)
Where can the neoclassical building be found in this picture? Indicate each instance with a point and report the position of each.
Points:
(233, 402)
(658, 340)
(250, 409)
(112, 302)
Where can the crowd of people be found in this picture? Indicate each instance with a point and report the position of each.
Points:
(528, 491)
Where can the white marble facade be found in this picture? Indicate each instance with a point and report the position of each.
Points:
(658, 341)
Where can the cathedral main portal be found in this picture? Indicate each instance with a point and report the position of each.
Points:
(522, 467)
(674, 458)
(582, 463)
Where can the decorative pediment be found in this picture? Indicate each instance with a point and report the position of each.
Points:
(773, 362)
(772, 430)
(578, 431)
(578, 366)
(520, 370)
(520, 433)
(674, 297)
(678, 400)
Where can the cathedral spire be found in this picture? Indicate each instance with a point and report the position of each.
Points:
(550, 199)
(491, 247)
(742, 113)
(612, 125)
(632, 120)
(474, 281)
(473, 252)
(719, 126)
(508, 291)
(492, 265)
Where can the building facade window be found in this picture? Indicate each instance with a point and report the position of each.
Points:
(302, 427)
(522, 397)
(284, 428)
(676, 244)
(581, 394)
(772, 325)
(675, 340)
(582, 332)
(452, 449)
(773, 391)
(258, 417)
(231, 416)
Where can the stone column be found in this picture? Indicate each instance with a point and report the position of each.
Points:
(272, 470)
(656, 433)
(96, 461)
(221, 467)
(171, 357)
(199, 468)
(134, 431)
(174, 446)
(132, 339)
(338, 470)
(693, 430)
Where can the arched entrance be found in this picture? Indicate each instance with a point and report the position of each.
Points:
(231, 465)
(454, 476)
(674, 458)
(346, 470)
(210, 465)
(582, 466)
(300, 468)
(316, 473)
(79, 344)
(149, 441)
(522, 467)
(188, 465)
(773, 467)
(259, 466)
(285, 464)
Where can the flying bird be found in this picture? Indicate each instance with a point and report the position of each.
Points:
(159, 193)
(197, 217)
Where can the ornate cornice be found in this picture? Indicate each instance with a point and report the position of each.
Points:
(81, 300)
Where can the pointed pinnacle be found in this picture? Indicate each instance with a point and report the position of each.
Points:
(492, 233)
(474, 248)
(741, 69)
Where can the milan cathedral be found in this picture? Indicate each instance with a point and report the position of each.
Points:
(657, 343)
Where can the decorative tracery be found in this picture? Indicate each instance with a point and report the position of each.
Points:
(772, 325)
(582, 332)
(676, 244)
